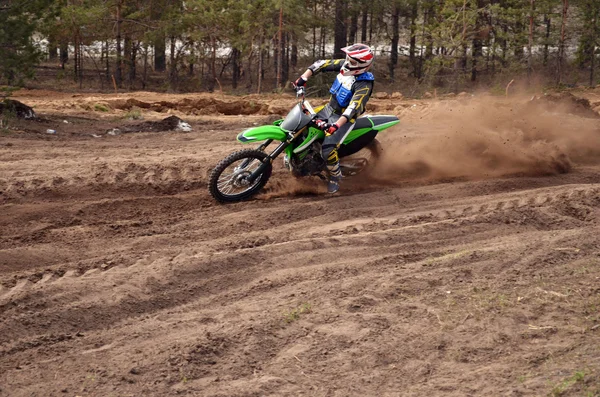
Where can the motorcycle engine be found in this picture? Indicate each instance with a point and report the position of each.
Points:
(309, 162)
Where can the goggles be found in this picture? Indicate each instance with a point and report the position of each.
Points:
(351, 61)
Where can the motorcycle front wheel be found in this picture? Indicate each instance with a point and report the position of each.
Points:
(228, 181)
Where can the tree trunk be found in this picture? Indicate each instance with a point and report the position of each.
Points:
(127, 46)
(477, 43)
(530, 42)
(127, 58)
(202, 64)
(371, 26)
(213, 64)
(102, 54)
(107, 63)
(145, 75)
(76, 57)
(419, 69)
(413, 36)
(235, 67)
(593, 47)
(477, 54)
(52, 49)
(294, 53)
(173, 64)
(592, 67)
(285, 70)
(280, 46)
(160, 54)
(363, 25)
(118, 68)
(429, 15)
(80, 65)
(340, 29)
(247, 73)
(275, 45)
(260, 65)
(519, 53)
(547, 21)
(353, 26)
(133, 64)
(159, 43)
(395, 39)
(314, 32)
(504, 44)
(323, 38)
(192, 59)
(561, 45)
(64, 53)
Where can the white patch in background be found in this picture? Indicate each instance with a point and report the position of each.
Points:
(183, 126)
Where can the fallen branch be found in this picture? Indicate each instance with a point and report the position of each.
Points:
(508, 86)
(220, 87)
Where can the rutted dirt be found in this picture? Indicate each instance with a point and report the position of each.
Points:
(469, 264)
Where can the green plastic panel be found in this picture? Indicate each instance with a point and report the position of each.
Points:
(262, 133)
(385, 125)
(355, 133)
(313, 134)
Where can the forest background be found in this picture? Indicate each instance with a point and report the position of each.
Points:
(258, 46)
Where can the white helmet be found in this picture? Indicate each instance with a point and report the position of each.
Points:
(359, 58)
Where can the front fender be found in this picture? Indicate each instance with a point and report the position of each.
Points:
(262, 133)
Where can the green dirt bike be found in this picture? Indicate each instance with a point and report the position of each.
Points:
(242, 174)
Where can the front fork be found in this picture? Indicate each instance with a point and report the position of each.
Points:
(262, 146)
(268, 160)
(271, 156)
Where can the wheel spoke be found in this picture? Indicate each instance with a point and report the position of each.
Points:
(225, 182)
(228, 189)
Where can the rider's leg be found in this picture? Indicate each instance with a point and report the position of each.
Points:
(330, 154)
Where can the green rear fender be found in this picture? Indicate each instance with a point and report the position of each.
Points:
(262, 133)
(367, 124)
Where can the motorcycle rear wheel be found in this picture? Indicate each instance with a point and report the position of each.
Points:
(228, 180)
(362, 161)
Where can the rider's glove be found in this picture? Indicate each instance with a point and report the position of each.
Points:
(299, 86)
(331, 130)
(322, 124)
(300, 82)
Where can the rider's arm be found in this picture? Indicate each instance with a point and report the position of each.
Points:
(327, 65)
(362, 93)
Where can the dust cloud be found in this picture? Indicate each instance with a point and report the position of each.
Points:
(489, 137)
(292, 187)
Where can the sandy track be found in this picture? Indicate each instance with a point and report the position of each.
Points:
(121, 276)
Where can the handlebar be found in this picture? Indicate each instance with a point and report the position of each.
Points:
(301, 94)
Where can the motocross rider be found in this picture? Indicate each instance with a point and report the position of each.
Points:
(349, 95)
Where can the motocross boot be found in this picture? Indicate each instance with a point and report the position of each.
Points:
(333, 184)
(335, 173)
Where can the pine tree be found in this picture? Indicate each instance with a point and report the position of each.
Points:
(19, 20)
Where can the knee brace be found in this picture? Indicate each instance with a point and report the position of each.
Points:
(330, 154)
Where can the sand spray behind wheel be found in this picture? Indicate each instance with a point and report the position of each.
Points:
(488, 137)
